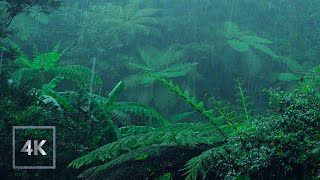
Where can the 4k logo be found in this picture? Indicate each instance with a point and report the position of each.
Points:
(37, 147)
(33, 147)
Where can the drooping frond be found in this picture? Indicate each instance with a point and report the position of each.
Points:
(242, 42)
(293, 65)
(199, 165)
(287, 77)
(183, 134)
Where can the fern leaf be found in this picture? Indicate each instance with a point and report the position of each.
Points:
(78, 74)
(183, 134)
(142, 111)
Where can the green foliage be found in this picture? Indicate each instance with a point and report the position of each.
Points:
(121, 25)
(117, 113)
(282, 144)
(144, 142)
(47, 95)
(44, 64)
(11, 9)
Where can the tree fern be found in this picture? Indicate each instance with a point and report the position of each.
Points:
(293, 65)
(165, 62)
(140, 145)
(242, 42)
(120, 24)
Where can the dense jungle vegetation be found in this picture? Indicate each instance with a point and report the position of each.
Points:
(164, 89)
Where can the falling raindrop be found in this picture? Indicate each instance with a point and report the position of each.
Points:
(1, 58)
(91, 80)
(231, 14)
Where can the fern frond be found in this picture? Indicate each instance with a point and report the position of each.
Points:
(287, 77)
(242, 42)
(223, 113)
(142, 111)
(232, 29)
(38, 15)
(199, 106)
(293, 65)
(134, 130)
(177, 70)
(243, 99)
(46, 61)
(183, 134)
(136, 80)
(78, 74)
(200, 164)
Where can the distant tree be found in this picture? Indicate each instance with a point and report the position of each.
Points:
(9, 9)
